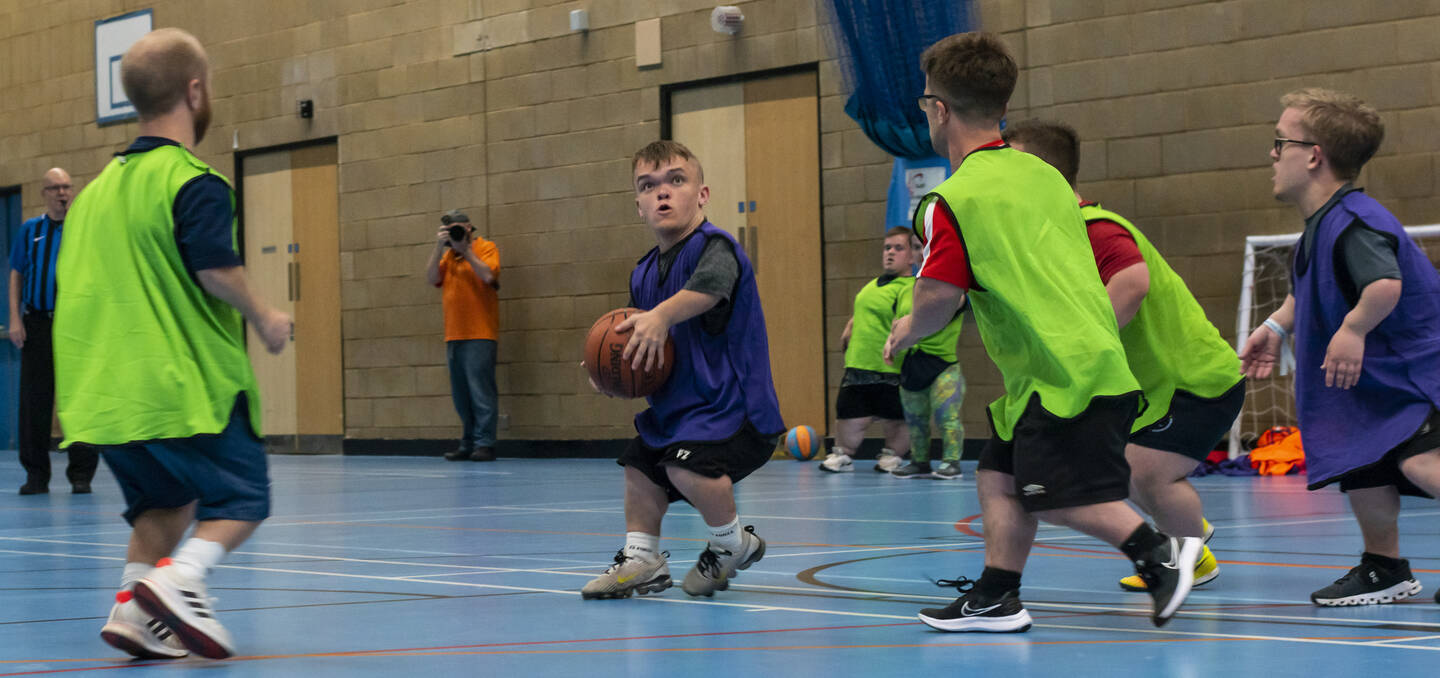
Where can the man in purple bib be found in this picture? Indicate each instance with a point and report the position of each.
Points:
(716, 419)
(1365, 312)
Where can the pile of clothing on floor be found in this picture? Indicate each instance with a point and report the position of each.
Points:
(1276, 452)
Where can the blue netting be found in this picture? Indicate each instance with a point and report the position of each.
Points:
(880, 44)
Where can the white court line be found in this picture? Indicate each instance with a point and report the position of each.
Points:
(1395, 640)
(843, 613)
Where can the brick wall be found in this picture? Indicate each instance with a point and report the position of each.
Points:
(495, 107)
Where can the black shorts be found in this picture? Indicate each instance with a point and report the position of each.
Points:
(869, 400)
(1387, 471)
(737, 457)
(1194, 425)
(1059, 463)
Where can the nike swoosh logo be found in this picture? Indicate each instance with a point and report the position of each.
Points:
(622, 580)
(971, 612)
(38, 239)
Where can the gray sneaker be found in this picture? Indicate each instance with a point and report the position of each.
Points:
(629, 575)
(717, 566)
(914, 469)
(949, 470)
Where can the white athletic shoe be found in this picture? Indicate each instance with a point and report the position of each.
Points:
(181, 603)
(718, 566)
(887, 461)
(132, 631)
(630, 575)
(837, 462)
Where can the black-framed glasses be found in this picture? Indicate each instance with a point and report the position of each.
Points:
(920, 100)
(1281, 141)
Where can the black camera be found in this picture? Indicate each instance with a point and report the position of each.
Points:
(453, 220)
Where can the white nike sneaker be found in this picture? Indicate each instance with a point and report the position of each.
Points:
(138, 634)
(887, 461)
(837, 462)
(630, 575)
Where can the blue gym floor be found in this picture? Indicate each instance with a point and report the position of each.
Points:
(414, 566)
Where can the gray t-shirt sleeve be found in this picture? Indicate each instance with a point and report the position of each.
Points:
(1369, 256)
(716, 271)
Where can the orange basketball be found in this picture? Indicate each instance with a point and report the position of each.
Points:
(604, 349)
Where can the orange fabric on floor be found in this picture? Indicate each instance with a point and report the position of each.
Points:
(1278, 459)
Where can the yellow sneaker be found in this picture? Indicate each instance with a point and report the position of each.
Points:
(1206, 570)
(1208, 530)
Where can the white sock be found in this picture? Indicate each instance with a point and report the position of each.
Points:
(727, 536)
(132, 573)
(642, 545)
(839, 450)
(197, 557)
(885, 450)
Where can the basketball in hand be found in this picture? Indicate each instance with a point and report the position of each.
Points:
(611, 372)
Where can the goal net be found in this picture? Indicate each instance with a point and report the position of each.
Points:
(1264, 284)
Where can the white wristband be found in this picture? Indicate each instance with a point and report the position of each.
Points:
(1277, 329)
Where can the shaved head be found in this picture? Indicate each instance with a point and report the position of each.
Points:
(55, 186)
(54, 177)
(157, 70)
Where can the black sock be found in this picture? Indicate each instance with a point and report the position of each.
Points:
(1142, 541)
(1383, 561)
(995, 582)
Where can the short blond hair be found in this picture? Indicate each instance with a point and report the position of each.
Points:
(1348, 130)
(156, 71)
(657, 152)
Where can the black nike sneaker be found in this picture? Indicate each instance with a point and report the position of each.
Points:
(975, 614)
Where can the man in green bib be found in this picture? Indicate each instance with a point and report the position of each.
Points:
(1190, 376)
(150, 351)
(870, 388)
(1006, 230)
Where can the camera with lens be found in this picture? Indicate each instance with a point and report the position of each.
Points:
(453, 220)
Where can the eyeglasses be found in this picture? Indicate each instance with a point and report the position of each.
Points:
(1281, 141)
(920, 100)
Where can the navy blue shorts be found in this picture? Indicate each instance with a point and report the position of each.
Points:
(226, 472)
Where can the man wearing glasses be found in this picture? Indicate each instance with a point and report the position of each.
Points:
(1364, 308)
(32, 310)
(1006, 233)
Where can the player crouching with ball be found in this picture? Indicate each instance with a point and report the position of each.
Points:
(716, 419)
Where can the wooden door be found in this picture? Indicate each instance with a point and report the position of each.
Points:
(292, 254)
(758, 142)
(268, 211)
(782, 142)
(710, 121)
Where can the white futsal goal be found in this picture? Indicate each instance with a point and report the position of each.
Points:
(1264, 283)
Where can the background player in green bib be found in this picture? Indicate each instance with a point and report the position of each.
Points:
(870, 388)
(1190, 376)
(932, 386)
(150, 351)
(1005, 229)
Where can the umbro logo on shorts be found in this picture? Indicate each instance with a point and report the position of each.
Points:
(1033, 489)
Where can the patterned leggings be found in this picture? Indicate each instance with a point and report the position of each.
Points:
(942, 400)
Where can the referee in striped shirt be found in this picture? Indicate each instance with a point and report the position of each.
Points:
(32, 308)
